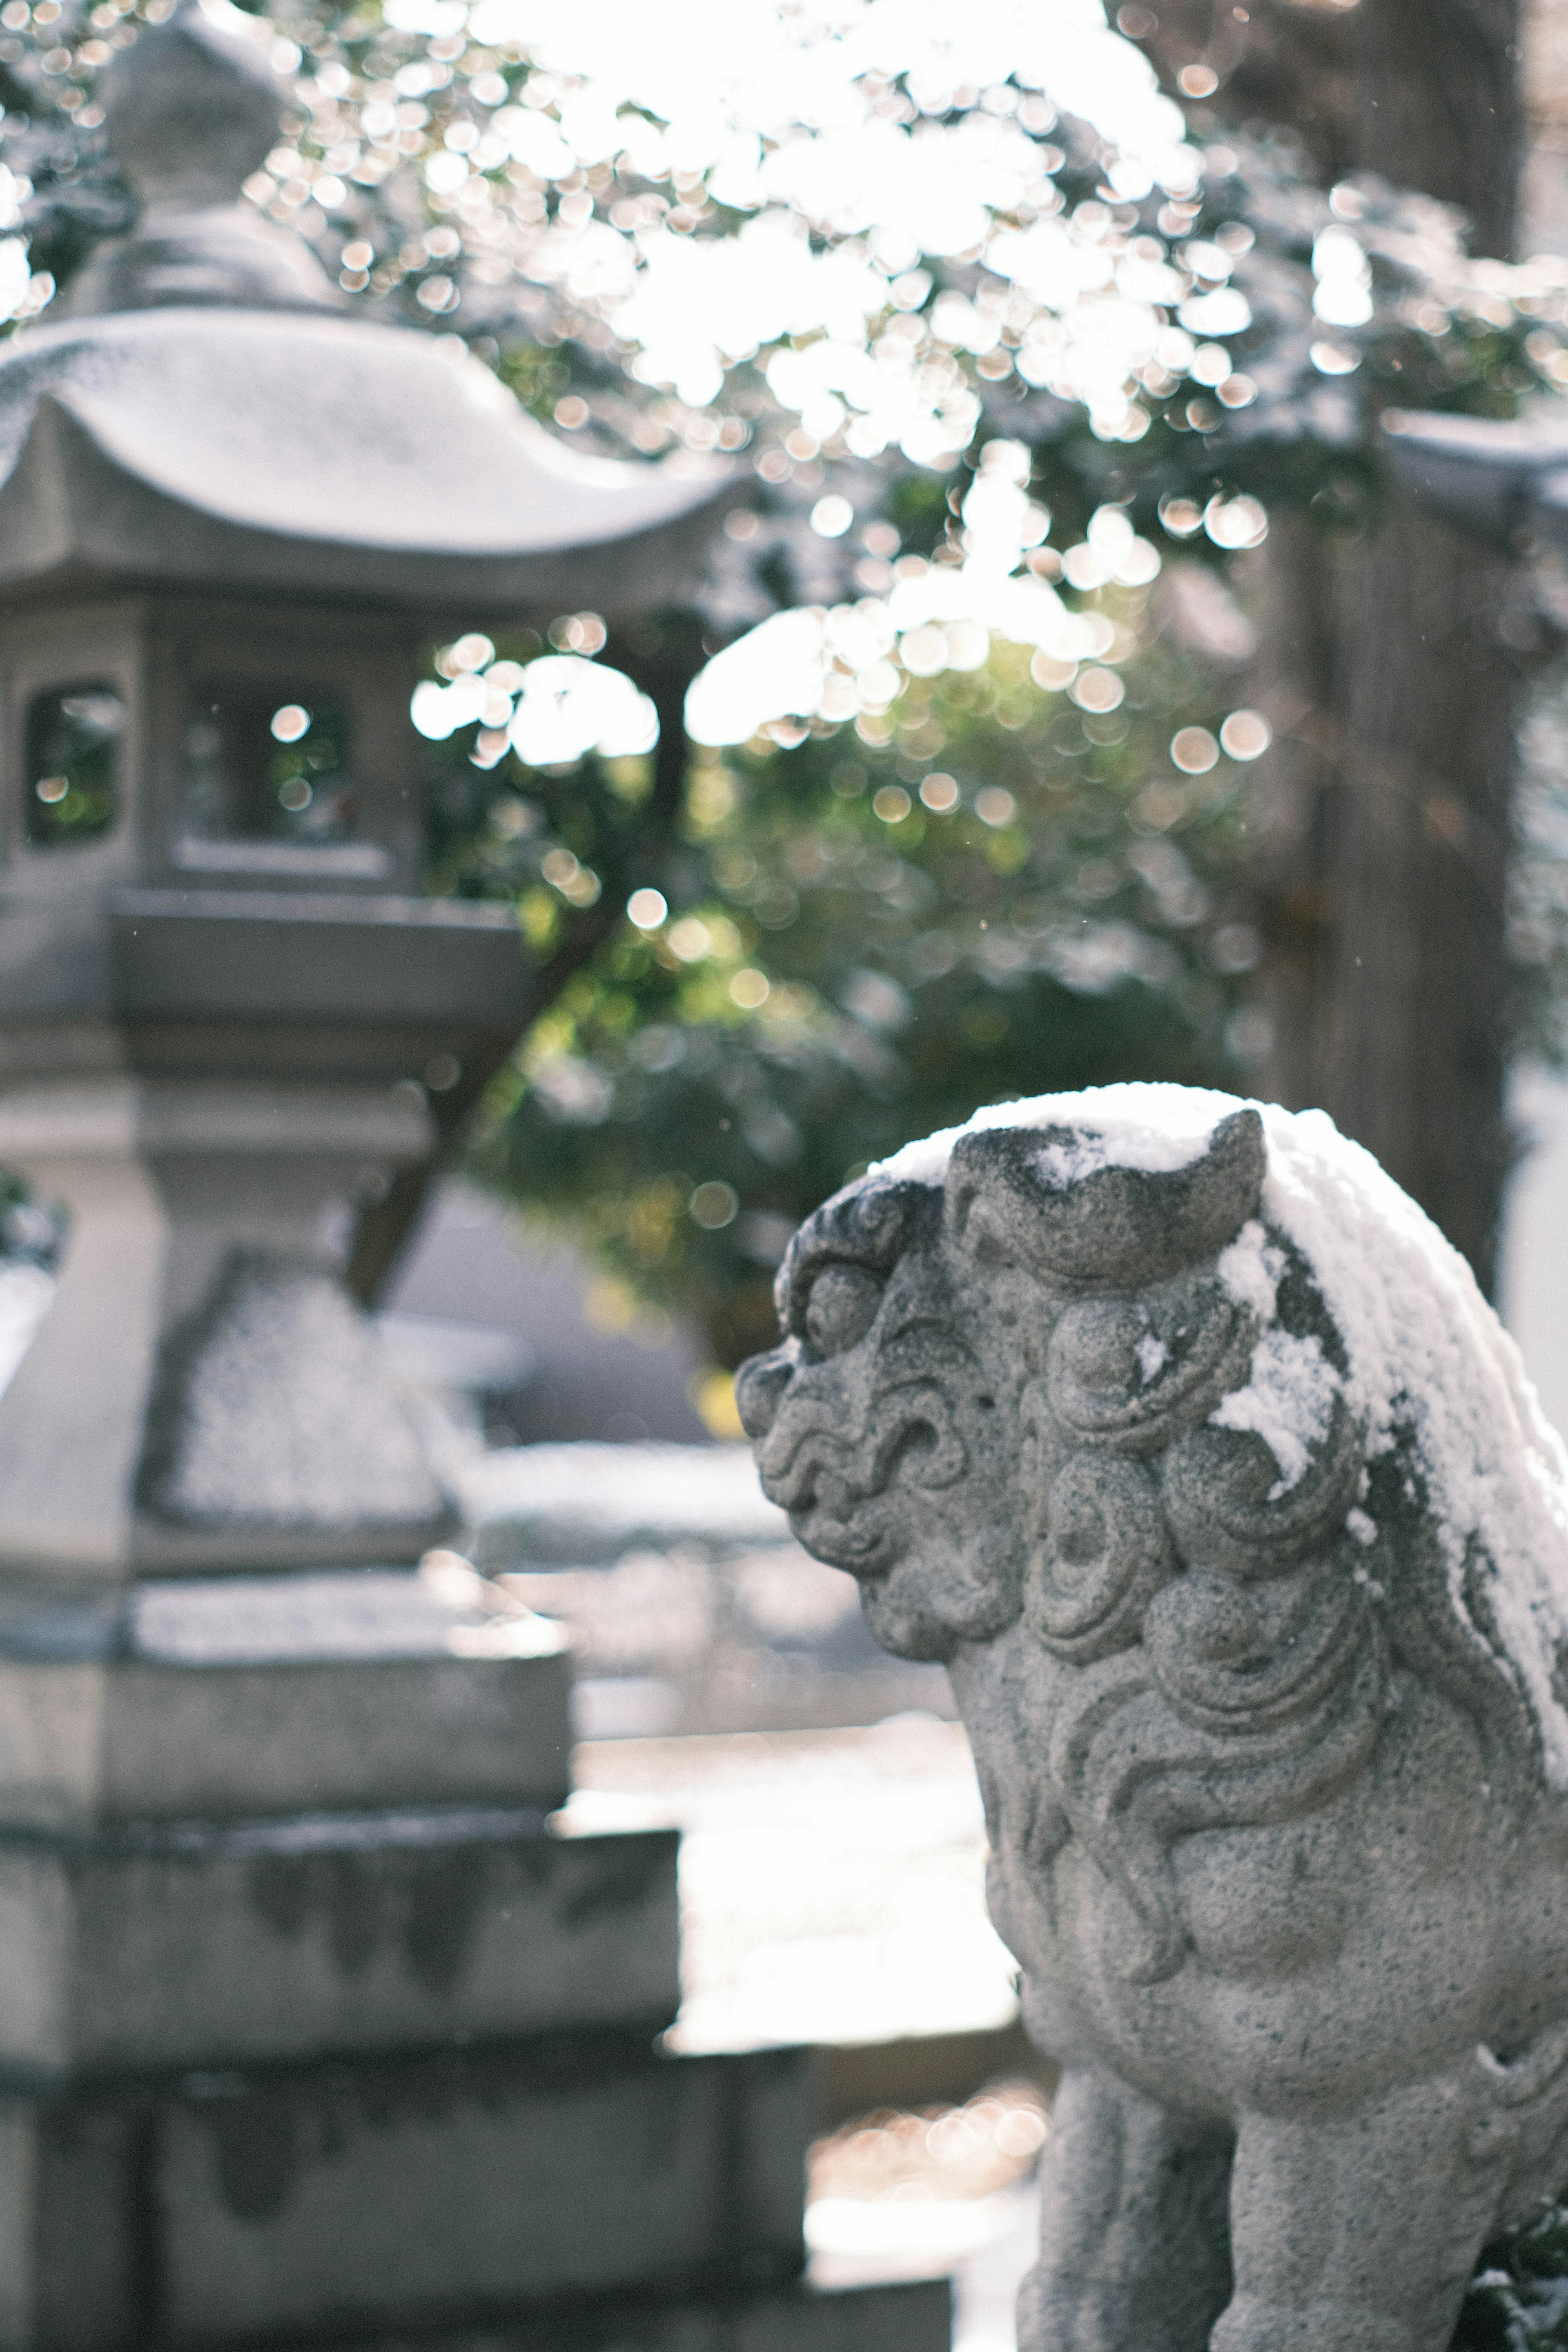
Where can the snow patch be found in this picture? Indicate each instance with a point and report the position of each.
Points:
(1149, 1147)
(1289, 1402)
(1250, 1271)
(1152, 1357)
(1158, 1128)
(1426, 1349)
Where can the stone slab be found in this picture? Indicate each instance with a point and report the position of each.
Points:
(327, 1934)
(277, 956)
(228, 2207)
(222, 1698)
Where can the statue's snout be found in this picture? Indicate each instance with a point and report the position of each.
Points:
(760, 1385)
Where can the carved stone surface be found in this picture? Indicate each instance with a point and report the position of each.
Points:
(1178, 1430)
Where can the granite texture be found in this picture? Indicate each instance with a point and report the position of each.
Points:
(1269, 1801)
(418, 2193)
(324, 1936)
(222, 1699)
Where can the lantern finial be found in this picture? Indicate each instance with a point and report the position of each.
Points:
(192, 110)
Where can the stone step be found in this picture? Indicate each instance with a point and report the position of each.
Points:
(910, 2315)
(395, 2194)
(220, 1698)
(194, 1944)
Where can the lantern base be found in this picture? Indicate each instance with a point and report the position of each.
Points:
(313, 2024)
(469, 2184)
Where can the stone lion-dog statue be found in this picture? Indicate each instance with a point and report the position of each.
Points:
(1181, 1435)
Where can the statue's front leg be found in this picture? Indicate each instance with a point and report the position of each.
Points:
(1133, 2251)
(1359, 2230)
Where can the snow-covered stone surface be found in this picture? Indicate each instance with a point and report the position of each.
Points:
(1533, 1275)
(1180, 1434)
(1427, 1353)
(1154, 1128)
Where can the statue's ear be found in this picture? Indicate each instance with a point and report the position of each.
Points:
(867, 1226)
(1008, 1201)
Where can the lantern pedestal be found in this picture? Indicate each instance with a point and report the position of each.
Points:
(310, 2022)
(203, 1394)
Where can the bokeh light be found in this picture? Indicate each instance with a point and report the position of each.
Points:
(1193, 750)
(1246, 735)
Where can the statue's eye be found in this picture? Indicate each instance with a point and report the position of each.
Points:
(842, 1307)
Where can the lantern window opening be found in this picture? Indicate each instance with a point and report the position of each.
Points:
(72, 788)
(270, 759)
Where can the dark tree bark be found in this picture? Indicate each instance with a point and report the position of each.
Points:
(1383, 813)
(1383, 840)
(1425, 93)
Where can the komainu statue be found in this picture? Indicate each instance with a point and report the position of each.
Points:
(1177, 1429)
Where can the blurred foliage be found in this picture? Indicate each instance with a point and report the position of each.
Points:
(868, 943)
(1189, 344)
(431, 162)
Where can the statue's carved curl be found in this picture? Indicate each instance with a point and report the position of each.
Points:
(1274, 1835)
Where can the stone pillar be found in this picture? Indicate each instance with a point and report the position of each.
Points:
(203, 1393)
(312, 2020)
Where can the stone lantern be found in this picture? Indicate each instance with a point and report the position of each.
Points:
(229, 517)
(309, 2025)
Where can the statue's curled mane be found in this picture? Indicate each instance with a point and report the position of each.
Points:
(1103, 1383)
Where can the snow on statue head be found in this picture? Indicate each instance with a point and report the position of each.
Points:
(1183, 1435)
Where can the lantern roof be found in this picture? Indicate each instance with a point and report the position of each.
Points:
(1492, 477)
(203, 412)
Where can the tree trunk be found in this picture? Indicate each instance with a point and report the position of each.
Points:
(1382, 812)
(1384, 842)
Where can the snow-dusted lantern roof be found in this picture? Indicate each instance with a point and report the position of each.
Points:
(203, 414)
